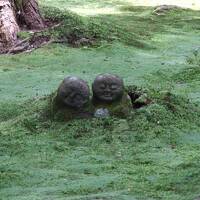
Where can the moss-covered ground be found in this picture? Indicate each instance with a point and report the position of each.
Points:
(153, 154)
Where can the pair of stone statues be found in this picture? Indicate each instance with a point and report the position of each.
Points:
(72, 98)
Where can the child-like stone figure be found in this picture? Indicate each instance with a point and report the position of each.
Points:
(107, 88)
(73, 92)
(109, 93)
(71, 99)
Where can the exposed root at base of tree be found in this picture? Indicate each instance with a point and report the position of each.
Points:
(27, 45)
(35, 42)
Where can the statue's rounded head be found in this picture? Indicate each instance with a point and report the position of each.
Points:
(108, 88)
(73, 92)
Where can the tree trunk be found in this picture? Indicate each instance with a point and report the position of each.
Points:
(14, 13)
(8, 25)
(31, 14)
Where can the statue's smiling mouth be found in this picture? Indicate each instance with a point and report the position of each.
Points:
(107, 94)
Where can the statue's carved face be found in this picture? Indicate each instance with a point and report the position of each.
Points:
(74, 92)
(108, 88)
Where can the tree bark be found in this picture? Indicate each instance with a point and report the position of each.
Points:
(14, 13)
(8, 25)
(31, 14)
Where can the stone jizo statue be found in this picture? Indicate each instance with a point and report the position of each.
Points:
(109, 97)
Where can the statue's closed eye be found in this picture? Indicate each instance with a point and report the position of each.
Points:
(113, 87)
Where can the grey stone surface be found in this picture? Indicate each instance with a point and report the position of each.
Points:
(101, 113)
(107, 88)
(73, 92)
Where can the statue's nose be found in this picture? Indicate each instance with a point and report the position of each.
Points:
(72, 95)
(107, 89)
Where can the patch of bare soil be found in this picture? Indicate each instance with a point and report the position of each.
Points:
(163, 9)
(75, 41)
